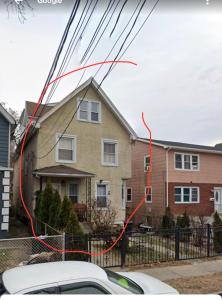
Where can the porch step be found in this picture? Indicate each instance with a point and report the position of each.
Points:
(86, 228)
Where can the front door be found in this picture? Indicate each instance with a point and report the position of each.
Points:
(218, 200)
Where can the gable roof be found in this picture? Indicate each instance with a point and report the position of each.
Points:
(42, 109)
(7, 115)
(183, 146)
(108, 102)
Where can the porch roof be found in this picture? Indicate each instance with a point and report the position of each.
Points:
(61, 171)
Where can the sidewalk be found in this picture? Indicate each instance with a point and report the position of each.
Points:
(196, 268)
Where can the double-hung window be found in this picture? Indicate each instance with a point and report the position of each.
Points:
(186, 161)
(186, 194)
(109, 153)
(146, 162)
(66, 149)
(148, 194)
(101, 195)
(89, 111)
(129, 194)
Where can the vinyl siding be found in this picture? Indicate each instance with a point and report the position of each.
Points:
(4, 136)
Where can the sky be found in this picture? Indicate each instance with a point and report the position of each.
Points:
(177, 82)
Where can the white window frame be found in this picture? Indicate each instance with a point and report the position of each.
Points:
(129, 188)
(90, 101)
(191, 167)
(106, 183)
(151, 194)
(117, 153)
(146, 168)
(190, 194)
(74, 148)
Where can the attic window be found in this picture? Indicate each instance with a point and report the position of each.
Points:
(89, 111)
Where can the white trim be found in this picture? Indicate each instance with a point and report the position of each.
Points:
(116, 164)
(5, 219)
(150, 194)
(5, 181)
(6, 189)
(4, 226)
(146, 168)
(6, 169)
(190, 194)
(6, 204)
(183, 169)
(90, 101)
(7, 174)
(129, 187)
(104, 97)
(74, 148)
(7, 115)
(123, 193)
(61, 175)
(5, 196)
(5, 211)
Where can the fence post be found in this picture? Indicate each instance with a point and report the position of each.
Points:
(63, 246)
(123, 249)
(89, 247)
(208, 239)
(177, 244)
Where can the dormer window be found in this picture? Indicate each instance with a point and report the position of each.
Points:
(89, 111)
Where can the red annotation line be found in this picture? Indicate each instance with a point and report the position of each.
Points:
(21, 158)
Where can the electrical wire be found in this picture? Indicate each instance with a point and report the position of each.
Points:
(117, 20)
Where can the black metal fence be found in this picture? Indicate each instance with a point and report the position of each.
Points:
(136, 248)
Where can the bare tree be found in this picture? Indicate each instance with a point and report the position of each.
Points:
(102, 219)
(20, 7)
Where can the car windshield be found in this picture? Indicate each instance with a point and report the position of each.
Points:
(124, 282)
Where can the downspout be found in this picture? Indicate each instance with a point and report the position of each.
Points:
(167, 179)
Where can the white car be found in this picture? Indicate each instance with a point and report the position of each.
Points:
(77, 277)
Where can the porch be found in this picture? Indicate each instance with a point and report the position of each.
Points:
(70, 182)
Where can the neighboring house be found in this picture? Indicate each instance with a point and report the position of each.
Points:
(185, 177)
(92, 160)
(6, 121)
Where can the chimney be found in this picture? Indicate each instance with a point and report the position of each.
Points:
(218, 146)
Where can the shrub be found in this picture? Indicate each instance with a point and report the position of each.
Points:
(73, 226)
(46, 199)
(183, 221)
(63, 218)
(168, 219)
(217, 226)
(54, 209)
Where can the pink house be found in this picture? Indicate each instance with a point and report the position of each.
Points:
(185, 177)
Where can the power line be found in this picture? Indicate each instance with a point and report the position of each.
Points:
(117, 20)
(59, 50)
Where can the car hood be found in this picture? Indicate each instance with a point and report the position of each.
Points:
(149, 284)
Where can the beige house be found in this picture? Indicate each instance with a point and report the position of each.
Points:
(90, 162)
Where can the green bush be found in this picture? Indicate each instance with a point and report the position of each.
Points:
(54, 209)
(73, 226)
(63, 218)
(168, 219)
(46, 199)
(217, 227)
(183, 221)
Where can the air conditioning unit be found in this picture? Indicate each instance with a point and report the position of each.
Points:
(147, 168)
(212, 199)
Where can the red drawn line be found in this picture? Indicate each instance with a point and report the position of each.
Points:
(21, 158)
